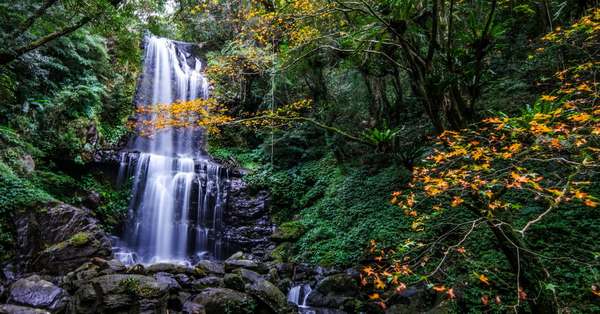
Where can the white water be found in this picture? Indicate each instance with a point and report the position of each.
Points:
(299, 294)
(178, 193)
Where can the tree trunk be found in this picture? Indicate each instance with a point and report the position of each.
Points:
(529, 270)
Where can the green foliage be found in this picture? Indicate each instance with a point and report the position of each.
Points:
(236, 156)
(349, 214)
(16, 194)
(240, 306)
(114, 202)
(383, 139)
(135, 287)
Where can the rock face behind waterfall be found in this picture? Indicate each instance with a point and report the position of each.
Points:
(247, 222)
(58, 238)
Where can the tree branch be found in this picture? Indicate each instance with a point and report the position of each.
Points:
(28, 22)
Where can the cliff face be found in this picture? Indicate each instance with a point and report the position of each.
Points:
(248, 225)
(57, 239)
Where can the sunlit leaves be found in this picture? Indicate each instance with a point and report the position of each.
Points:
(207, 114)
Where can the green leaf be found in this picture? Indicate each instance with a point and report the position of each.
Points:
(551, 287)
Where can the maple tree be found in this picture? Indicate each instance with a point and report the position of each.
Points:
(193, 114)
(508, 175)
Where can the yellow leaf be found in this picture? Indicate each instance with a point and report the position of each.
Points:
(484, 279)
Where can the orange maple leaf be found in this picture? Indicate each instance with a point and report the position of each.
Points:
(484, 299)
(451, 293)
(369, 270)
(442, 288)
(462, 250)
(374, 296)
(522, 294)
(484, 279)
(379, 284)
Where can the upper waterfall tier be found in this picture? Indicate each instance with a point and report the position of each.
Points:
(171, 73)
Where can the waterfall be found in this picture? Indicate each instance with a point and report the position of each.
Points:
(178, 194)
(299, 294)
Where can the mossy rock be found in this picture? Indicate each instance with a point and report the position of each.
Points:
(289, 232)
(281, 253)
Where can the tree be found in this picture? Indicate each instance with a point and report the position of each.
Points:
(510, 175)
(59, 16)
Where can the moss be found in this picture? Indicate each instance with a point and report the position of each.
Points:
(289, 231)
(282, 252)
(79, 239)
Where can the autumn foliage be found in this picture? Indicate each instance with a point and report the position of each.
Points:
(498, 172)
(193, 114)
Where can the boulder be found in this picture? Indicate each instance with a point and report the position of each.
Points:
(206, 267)
(116, 265)
(207, 282)
(16, 309)
(35, 292)
(268, 294)
(121, 294)
(223, 300)
(190, 307)
(75, 279)
(333, 291)
(234, 282)
(242, 263)
(137, 269)
(249, 276)
(169, 268)
(169, 280)
(58, 238)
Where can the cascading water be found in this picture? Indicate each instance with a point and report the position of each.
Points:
(299, 294)
(178, 193)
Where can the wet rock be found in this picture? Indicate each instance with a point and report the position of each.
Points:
(415, 298)
(183, 280)
(223, 300)
(248, 224)
(74, 280)
(116, 265)
(268, 294)
(137, 269)
(207, 282)
(234, 282)
(190, 307)
(236, 256)
(273, 275)
(168, 268)
(206, 267)
(249, 276)
(121, 294)
(16, 309)
(333, 291)
(177, 301)
(242, 263)
(37, 293)
(169, 280)
(58, 238)
(321, 311)
(92, 199)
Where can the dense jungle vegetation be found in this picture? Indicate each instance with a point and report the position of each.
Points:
(451, 142)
